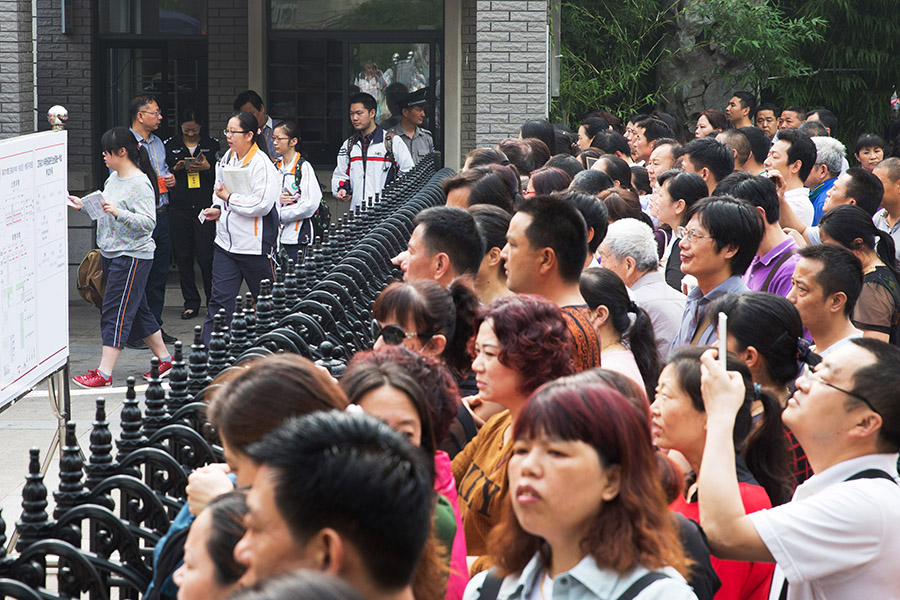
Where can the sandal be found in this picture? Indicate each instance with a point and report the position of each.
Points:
(189, 313)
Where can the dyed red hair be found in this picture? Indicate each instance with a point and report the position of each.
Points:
(534, 339)
(633, 528)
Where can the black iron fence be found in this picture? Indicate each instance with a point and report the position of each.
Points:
(112, 507)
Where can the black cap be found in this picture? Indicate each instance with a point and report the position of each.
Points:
(417, 98)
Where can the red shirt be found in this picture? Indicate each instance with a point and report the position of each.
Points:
(740, 580)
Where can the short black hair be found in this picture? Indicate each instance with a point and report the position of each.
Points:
(737, 141)
(730, 222)
(558, 225)
(828, 119)
(640, 180)
(759, 142)
(354, 474)
(867, 140)
(491, 189)
(878, 384)
(591, 182)
(801, 148)
(794, 109)
(567, 163)
(768, 106)
(452, 231)
(865, 187)
(610, 142)
(595, 214)
(757, 190)
(493, 223)
(841, 271)
(540, 129)
(137, 103)
(248, 96)
(748, 100)
(654, 129)
(712, 154)
(367, 100)
(688, 187)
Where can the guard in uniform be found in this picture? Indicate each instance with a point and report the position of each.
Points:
(418, 140)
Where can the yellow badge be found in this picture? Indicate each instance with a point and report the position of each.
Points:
(193, 180)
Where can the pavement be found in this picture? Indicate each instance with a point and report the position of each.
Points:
(30, 422)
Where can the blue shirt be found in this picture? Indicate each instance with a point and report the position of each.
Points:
(693, 312)
(157, 151)
(817, 197)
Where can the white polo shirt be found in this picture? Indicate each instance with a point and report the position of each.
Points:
(837, 538)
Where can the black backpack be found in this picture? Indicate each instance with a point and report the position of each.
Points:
(321, 219)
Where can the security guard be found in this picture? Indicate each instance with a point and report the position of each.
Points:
(418, 140)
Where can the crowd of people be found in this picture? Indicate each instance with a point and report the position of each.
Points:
(620, 364)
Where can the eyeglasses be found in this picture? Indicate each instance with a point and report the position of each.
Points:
(394, 334)
(280, 138)
(229, 133)
(813, 376)
(690, 235)
(155, 113)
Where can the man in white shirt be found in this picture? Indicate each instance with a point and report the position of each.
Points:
(837, 537)
(793, 155)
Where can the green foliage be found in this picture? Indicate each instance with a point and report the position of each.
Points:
(610, 51)
(854, 64)
(759, 35)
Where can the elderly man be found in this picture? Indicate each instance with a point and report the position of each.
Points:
(629, 250)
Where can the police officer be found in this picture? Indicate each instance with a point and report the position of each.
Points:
(418, 140)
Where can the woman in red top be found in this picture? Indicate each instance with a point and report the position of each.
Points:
(679, 421)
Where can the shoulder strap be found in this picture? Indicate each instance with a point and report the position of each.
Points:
(774, 270)
(490, 587)
(298, 171)
(638, 586)
(705, 322)
(870, 474)
(389, 149)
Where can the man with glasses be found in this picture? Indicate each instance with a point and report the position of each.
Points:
(838, 536)
(717, 245)
(146, 118)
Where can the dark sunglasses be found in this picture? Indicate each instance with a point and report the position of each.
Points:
(394, 334)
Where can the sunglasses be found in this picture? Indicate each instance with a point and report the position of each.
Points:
(394, 334)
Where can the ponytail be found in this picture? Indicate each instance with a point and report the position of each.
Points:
(641, 340)
(885, 249)
(465, 303)
(766, 449)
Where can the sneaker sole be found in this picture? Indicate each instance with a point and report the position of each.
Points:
(161, 376)
(90, 387)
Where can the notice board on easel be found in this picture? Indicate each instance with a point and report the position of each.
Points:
(34, 309)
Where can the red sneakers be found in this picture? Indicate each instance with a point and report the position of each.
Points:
(92, 379)
(164, 366)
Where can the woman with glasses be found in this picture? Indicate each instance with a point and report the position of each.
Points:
(246, 217)
(521, 343)
(300, 191)
(429, 319)
(679, 423)
(190, 157)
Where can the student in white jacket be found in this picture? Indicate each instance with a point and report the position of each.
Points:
(247, 227)
(367, 161)
(300, 191)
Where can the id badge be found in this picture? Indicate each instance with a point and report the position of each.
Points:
(193, 180)
(161, 182)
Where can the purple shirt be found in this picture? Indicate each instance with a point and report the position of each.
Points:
(759, 269)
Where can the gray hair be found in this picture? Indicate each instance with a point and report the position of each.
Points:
(829, 152)
(634, 238)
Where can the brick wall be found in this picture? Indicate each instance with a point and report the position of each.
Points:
(227, 58)
(65, 77)
(511, 70)
(16, 78)
(469, 60)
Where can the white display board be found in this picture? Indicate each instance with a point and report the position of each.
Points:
(34, 309)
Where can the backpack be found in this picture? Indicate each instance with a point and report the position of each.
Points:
(90, 279)
(321, 219)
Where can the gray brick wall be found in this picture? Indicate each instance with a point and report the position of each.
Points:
(469, 60)
(16, 76)
(227, 58)
(511, 68)
(65, 77)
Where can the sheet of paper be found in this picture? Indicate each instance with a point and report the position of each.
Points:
(92, 204)
(237, 180)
